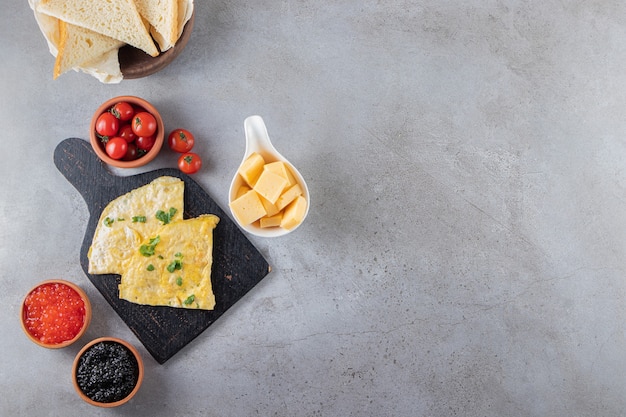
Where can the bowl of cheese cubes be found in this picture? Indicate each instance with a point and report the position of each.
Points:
(268, 196)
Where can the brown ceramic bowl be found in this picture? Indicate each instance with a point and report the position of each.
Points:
(53, 297)
(92, 377)
(135, 63)
(98, 146)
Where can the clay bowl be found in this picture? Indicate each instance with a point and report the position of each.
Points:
(100, 365)
(98, 146)
(53, 297)
(134, 63)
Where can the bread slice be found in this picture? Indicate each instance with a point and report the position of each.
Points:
(185, 10)
(162, 15)
(118, 19)
(79, 47)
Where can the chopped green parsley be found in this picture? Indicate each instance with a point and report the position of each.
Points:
(189, 300)
(148, 250)
(175, 265)
(164, 217)
(139, 219)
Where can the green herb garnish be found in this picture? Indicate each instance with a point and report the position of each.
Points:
(139, 219)
(189, 300)
(164, 217)
(148, 250)
(108, 221)
(150, 267)
(175, 265)
(179, 281)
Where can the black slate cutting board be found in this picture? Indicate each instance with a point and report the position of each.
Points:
(237, 265)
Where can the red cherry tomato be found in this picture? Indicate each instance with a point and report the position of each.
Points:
(107, 125)
(116, 147)
(144, 124)
(181, 140)
(189, 163)
(145, 143)
(132, 153)
(126, 132)
(123, 111)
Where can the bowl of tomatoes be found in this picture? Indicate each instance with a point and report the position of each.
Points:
(126, 132)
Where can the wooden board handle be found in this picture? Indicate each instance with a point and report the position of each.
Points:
(75, 159)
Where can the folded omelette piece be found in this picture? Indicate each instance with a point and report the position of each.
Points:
(131, 218)
(172, 267)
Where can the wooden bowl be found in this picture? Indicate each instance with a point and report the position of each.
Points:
(135, 63)
(55, 285)
(98, 147)
(117, 344)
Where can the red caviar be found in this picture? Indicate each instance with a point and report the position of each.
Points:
(54, 313)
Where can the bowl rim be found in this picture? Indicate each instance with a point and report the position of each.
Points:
(159, 139)
(86, 319)
(140, 369)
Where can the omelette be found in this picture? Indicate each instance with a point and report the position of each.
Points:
(129, 219)
(172, 266)
(163, 259)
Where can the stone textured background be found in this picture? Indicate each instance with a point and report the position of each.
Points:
(463, 255)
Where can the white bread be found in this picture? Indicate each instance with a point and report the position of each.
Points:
(162, 15)
(79, 47)
(122, 20)
(106, 69)
(185, 10)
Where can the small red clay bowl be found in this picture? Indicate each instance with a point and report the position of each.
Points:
(137, 103)
(107, 372)
(55, 313)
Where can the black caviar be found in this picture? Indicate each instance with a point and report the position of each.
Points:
(107, 372)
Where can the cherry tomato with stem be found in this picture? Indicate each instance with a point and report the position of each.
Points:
(180, 140)
(144, 124)
(126, 132)
(116, 147)
(123, 111)
(145, 143)
(189, 163)
(132, 152)
(107, 125)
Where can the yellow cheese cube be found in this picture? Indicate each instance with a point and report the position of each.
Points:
(242, 190)
(270, 208)
(288, 196)
(294, 213)
(248, 208)
(280, 168)
(272, 221)
(270, 185)
(251, 168)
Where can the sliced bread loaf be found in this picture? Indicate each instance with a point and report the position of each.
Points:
(118, 19)
(79, 47)
(162, 15)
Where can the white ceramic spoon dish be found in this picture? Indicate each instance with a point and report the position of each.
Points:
(258, 140)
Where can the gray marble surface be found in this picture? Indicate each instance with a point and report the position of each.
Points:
(464, 253)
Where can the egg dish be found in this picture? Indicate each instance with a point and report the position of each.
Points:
(129, 219)
(173, 267)
(163, 259)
